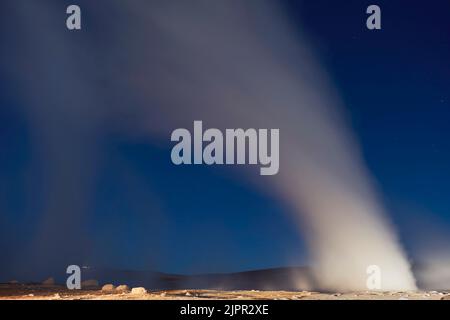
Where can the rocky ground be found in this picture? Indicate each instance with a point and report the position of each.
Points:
(54, 292)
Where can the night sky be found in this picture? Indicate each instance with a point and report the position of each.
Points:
(142, 212)
(395, 84)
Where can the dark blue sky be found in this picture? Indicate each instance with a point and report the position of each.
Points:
(142, 211)
(395, 84)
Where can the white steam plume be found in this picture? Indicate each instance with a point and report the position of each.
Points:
(240, 64)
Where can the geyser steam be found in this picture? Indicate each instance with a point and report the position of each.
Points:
(240, 64)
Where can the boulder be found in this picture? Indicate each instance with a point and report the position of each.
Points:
(108, 288)
(123, 288)
(49, 282)
(138, 290)
(91, 283)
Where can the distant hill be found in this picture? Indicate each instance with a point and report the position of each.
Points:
(289, 278)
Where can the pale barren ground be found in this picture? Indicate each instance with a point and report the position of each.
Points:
(39, 292)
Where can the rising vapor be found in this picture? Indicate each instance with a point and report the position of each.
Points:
(235, 64)
(241, 65)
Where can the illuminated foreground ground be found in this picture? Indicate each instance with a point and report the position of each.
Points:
(38, 292)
